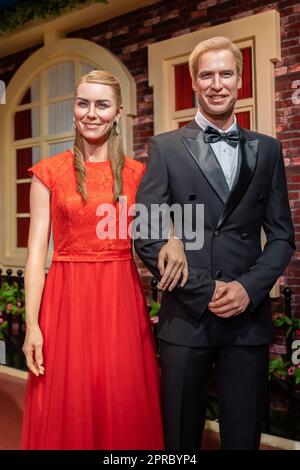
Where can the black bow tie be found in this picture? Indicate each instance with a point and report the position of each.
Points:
(212, 135)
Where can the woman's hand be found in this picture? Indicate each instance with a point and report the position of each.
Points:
(172, 264)
(33, 350)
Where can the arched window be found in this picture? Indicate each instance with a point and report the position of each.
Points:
(42, 126)
(37, 123)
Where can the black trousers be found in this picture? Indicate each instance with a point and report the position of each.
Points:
(242, 382)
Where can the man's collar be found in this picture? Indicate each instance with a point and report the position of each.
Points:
(203, 123)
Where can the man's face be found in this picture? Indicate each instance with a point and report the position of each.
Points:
(217, 83)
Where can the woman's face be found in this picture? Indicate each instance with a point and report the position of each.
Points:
(95, 111)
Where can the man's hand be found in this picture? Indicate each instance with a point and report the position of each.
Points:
(172, 264)
(218, 284)
(229, 300)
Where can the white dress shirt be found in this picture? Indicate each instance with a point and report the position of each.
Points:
(226, 155)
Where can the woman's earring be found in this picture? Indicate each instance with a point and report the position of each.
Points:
(118, 130)
(73, 125)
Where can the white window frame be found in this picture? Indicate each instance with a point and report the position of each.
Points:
(258, 31)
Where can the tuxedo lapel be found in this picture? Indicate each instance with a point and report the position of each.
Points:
(204, 156)
(246, 167)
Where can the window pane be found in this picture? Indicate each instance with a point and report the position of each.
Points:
(23, 190)
(22, 231)
(59, 147)
(51, 243)
(86, 68)
(184, 94)
(246, 90)
(243, 118)
(35, 90)
(60, 80)
(25, 159)
(27, 124)
(60, 117)
(35, 155)
(183, 123)
(32, 93)
(27, 97)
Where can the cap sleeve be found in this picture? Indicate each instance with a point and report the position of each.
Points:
(44, 171)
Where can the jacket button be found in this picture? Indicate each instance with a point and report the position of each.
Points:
(217, 233)
(192, 197)
(218, 274)
(244, 235)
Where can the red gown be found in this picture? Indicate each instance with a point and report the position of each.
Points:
(101, 384)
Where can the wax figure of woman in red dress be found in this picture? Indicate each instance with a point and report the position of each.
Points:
(93, 375)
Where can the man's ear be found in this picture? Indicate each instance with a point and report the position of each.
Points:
(239, 83)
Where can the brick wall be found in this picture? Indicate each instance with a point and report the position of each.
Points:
(128, 37)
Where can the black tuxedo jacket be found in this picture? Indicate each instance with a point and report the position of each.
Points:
(183, 169)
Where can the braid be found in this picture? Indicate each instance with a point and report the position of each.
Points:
(79, 166)
(117, 160)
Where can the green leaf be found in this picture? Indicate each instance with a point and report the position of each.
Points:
(278, 322)
(276, 363)
(154, 308)
(282, 372)
(3, 325)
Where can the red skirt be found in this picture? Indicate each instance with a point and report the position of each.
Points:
(101, 384)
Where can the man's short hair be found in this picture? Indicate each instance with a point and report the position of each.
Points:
(218, 43)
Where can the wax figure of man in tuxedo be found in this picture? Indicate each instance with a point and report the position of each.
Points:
(222, 315)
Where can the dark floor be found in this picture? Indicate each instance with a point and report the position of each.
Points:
(11, 400)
